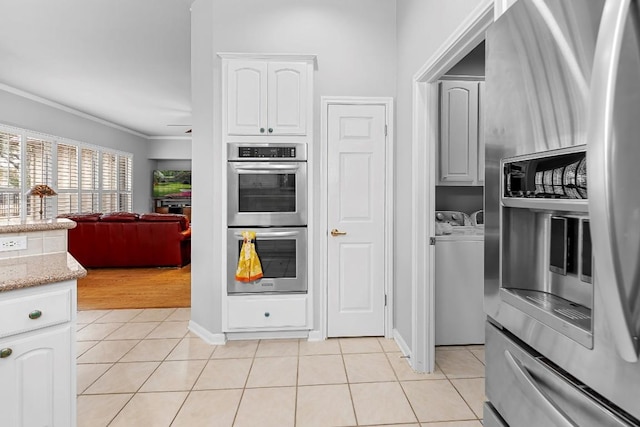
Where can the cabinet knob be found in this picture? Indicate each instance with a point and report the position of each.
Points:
(5, 352)
(270, 130)
(35, 314)
(261, 130)
(267, 314)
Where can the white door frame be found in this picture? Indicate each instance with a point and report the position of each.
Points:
(388, 216)
(424, 140)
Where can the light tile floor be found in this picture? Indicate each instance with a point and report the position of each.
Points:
(143, 368)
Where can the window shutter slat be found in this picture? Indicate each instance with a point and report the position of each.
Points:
(39, 164)
(10, 177)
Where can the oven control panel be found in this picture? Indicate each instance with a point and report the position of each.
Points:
(267, 152)
(273, 151)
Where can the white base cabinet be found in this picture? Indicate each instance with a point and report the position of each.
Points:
(267, 313)
(459, 293)
(37, 356)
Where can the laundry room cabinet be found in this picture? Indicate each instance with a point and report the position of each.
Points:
(267, 96)
(461, 148)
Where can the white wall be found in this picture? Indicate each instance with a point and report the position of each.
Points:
(25, 113)
(423, 26)
(170, 149)
(176, 165)
(355, 41)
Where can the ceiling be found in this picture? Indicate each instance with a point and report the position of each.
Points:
(124, 61)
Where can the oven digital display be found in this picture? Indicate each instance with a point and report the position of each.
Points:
(267, 152)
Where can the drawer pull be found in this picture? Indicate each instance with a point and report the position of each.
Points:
(35, 314)
(5, 352)
(536, 394)
(267, 314)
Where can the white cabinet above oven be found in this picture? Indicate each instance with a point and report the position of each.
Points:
(268, 95)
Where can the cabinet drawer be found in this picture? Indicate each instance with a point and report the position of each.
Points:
(54, 308)
(243, 313)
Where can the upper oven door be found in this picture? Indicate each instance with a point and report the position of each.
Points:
(267, 193)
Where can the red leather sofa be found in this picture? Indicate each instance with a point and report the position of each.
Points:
(125, 239)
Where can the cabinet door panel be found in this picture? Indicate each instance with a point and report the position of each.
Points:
(287, 98)
(458, 131)
(36, 379)
(247, 98)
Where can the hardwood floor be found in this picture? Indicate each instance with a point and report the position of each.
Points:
(112, 288)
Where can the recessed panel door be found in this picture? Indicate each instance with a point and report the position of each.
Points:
(247, 98)
(356, 234)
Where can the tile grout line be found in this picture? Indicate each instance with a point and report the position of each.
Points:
(404, 392)
(244, 388)
(346, 375)
(295, 401)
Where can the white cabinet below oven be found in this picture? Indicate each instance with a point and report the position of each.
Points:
(267, 313)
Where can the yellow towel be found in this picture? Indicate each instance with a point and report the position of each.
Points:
(249, 268)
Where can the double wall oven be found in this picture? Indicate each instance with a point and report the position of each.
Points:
(267, 193)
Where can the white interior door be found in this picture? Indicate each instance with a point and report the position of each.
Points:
(355, 212)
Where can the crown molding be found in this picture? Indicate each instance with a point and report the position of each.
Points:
(181, 138)
(69, 110)
(270, 56)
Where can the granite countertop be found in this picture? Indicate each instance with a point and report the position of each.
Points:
(22, 226)
(24, 272)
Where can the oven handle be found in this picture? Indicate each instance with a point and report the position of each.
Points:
(265, 167)
(268, 234)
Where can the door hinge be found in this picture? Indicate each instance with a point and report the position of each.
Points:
(432, 241)
(385, 300)
(386, 130)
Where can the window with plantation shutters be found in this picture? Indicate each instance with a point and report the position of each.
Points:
(89, 178)
(86, 178)
(38, 164)
(10, 176)
(67, 186)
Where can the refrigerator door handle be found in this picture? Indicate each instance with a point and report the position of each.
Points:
(560, 419)
(601, 145)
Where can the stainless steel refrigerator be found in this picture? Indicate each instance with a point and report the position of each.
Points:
(562, 214)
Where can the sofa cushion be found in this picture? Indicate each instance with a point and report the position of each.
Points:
(151, 217)
(82, 217)
(119, 217)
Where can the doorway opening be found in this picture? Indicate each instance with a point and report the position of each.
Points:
(425, 139)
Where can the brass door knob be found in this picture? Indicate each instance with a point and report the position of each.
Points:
(335, 232)
(5, 352)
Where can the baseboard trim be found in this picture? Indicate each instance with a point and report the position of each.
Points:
(315, 336)
(208, 337)
(404, 348)
(234, 336)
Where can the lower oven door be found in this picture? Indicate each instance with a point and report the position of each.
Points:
(283, 257)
